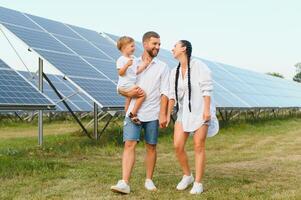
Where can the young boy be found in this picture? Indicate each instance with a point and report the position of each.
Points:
(128, 70)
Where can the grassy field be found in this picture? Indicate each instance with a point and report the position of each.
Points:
(259, 160)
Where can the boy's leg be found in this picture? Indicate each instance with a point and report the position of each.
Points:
(138, 103)
(127, 103)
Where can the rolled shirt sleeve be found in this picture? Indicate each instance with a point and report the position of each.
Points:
(206, 82)
(164, 85)
(171, 93)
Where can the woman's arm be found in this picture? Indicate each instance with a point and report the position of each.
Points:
(171, 104)
(207, 114)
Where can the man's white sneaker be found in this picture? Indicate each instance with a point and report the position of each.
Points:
(149, 185)
(197, 188)
(185, 182)
(121, 187)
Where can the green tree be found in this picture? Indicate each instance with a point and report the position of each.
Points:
(297, 76)
(276, 74)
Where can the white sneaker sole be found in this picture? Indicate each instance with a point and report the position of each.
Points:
(152, 190)
(181, 189)
(118, 190)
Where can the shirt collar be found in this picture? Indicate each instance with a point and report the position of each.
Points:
(154, 60)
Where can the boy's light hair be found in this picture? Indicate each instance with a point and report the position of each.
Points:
(124, 40)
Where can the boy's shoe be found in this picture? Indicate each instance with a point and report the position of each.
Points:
(134, 118)
(197, 188)
(185, 182)
(121, 187)
(149, 185)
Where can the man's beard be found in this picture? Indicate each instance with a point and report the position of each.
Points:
(151, 54)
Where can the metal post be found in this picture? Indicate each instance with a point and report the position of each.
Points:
(40, 138)
(95, 121)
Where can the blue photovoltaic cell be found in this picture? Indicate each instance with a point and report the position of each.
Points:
(103, 90)
(70, 65)
(110, 50)
(90, 35)
(16, 92)
(14, 17)
(38, 39)
(83, 48)
(107, 67)
(53, 26)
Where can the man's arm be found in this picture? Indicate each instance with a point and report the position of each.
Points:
(164, 90)
(163, 111)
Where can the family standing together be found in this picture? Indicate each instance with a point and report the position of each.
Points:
(153, 93)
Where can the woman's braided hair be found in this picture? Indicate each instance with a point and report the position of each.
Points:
(188, 52)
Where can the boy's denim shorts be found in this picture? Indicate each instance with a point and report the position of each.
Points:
(131, 131)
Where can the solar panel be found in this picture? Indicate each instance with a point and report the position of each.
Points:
(18, 94)
(77, 101)
(8, 16)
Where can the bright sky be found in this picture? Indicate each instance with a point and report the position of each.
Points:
(261, 35)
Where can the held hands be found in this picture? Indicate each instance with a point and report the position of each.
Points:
(167, 120)
(162, 121)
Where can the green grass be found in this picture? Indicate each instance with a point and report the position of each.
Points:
(260, 160)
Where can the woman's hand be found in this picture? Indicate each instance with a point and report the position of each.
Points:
(167, 120)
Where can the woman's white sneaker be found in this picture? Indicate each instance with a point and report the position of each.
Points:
(149, 185)
(197, 188)
(185, 182)
(121, 187)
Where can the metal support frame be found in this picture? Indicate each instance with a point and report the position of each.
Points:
(95, 121)
(105, 126)
(40, 119)
(67, 106)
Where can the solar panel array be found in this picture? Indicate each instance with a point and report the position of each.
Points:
(17, 93)
(80, 54)
(88, 61)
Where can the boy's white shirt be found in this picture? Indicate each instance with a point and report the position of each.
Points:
(130, 77)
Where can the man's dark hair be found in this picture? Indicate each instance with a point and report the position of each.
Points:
(149, 35)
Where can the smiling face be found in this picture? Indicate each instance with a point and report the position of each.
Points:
(178, 50)
(152, 46)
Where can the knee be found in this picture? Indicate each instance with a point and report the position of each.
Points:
(151, 148)
(178, 148)
(199, 147)
(130, 145)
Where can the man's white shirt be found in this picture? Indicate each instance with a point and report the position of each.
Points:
(154, 81)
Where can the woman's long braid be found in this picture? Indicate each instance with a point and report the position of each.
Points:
(188, 46)
(176, 87)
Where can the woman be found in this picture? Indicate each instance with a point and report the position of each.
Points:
(191, 89)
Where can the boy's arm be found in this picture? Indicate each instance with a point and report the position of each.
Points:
(122, 70)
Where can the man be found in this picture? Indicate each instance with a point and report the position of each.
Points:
(152, 114)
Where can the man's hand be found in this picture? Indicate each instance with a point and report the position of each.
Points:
(135, 93)
(162, 120)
